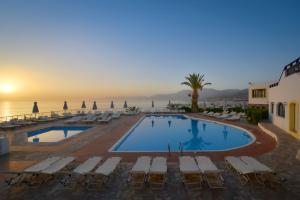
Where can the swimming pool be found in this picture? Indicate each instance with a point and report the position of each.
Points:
(181, 133)
(54, 134)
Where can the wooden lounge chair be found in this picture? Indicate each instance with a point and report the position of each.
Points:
(263, 173)
(90, 119)
(157, 173)
(73, 120)
(190, 173)
(28, 174)
(79, 175)
(102, 175)
(56, 169)
(212, 174)
(238, 166)
(138, 174)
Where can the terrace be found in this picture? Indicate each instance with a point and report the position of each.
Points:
(99, 139)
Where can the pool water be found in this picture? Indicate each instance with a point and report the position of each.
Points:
(180, 133)
(54, 134)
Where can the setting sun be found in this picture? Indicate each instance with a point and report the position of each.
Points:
(7, 88)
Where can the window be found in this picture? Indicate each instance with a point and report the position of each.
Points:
(272, 107)
(259, 93)
(280, 110)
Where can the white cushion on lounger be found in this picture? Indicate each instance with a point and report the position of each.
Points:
(255, 165)
(159, 165)
(206, 165)
(57, 166)
(88, 165)
(239, 165)
(108, 166)
(142, 165)
(188, 165)
(42, 165)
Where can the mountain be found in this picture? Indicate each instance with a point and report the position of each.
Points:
(207, 94)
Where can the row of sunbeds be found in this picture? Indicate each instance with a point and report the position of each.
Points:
(92, 118)
(93, 173)
(232, 116)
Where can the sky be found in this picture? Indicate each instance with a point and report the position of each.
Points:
(71, 48)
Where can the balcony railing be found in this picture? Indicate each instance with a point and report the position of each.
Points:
(293, 67)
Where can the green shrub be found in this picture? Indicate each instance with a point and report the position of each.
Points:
(255, 115)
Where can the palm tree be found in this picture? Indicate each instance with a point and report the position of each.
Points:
(195, 82)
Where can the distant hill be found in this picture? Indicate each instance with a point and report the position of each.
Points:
(208, 94)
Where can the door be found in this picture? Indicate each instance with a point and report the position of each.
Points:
(293, 117)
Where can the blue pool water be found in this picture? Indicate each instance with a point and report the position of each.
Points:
(54, 134)
(157, 132)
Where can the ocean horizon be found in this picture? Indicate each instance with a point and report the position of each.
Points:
(9, 108)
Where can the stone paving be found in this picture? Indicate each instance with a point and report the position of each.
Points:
(282, 159)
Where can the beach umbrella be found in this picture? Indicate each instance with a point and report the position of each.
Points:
(35, 108)
(112, 106)
(65, 106)
(83, 106)
(125, 104)
(95, 106)
(152, 104)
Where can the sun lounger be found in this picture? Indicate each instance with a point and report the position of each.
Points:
(139, 172)
(190, 173)
(59, 165)
(116, 115)
(216, 114)
(157, 173)
(263, 173)
(102, 175)
(79, 174)
(44, 119)
(223, 116)
(234, 117)
(73, 120)
(90, 119)
(8, 125)
(27, 174)
(238, 166)
(105, 118)
(57, 169)
(212, 174)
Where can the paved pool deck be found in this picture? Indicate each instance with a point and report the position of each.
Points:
(99, 139)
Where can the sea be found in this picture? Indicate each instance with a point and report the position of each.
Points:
(10, 108)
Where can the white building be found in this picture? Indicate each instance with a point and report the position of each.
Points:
(282, 98)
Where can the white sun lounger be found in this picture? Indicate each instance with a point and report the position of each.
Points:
(190, 173)
(78, 175)
(59, 165)
(109, 166)
(139, 172)
(262, 172)
(88, 165)
(73, 120)
(234, 117)
(211, 173)
(28, 173)
(157, 173)
(116, 115)
(102, 175)
(42, 165)
(240, 167)
(90, 118)
(255, 165)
